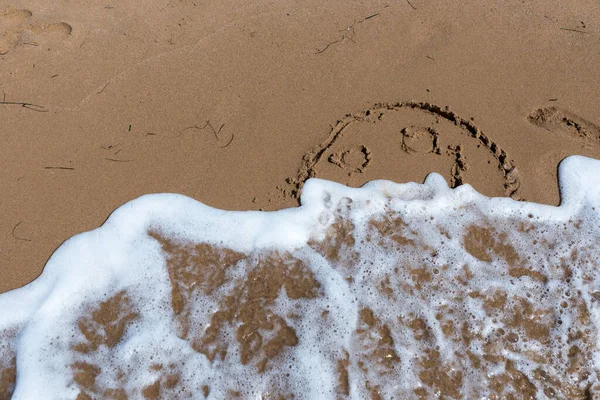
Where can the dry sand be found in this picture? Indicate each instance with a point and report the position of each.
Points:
(236, 104)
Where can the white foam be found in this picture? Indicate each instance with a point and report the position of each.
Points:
(433, 221)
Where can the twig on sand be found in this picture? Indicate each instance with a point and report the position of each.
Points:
(573, 30)
(215, 132)
(347, 33)
(228, 143)
(410, 4)
(116, 160)
(67, 168)
(319, 51)
(29, 106)
(17, 237)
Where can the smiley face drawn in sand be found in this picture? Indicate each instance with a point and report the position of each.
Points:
(18, 28)
(415, 139)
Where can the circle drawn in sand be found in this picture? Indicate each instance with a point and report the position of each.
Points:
(355, 159)
(420, 140)
(439, 139)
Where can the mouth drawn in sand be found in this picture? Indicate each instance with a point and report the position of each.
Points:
(19, 30)
(567, 124)
(407, 136)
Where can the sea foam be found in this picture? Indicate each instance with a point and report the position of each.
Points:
(386, 291)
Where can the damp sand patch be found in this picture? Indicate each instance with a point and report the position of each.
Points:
(386, 291)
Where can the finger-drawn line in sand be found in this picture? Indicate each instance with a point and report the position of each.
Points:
(554, 119)
(21, 30)
(414, 140)
(458, 167)
(216, 132)
(103, 87)
(19, 237)
(29, 106)
(347, 34)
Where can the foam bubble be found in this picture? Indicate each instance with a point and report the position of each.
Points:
(386, 291)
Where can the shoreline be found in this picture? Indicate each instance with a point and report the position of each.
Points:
(222, 103)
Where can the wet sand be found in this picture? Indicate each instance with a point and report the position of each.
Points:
(236, 106)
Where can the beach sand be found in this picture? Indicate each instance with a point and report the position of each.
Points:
(236, 105)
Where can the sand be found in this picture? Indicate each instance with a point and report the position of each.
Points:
(236, 105)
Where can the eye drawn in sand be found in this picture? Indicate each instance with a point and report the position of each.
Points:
(409, 136)
(354, 158)
(19, 28)
(566, 123)
(420, 140)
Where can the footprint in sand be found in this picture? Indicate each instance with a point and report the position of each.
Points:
(566, 123)
(18, 29)
(415, 139)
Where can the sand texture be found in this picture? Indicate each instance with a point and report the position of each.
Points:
(237, 104)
